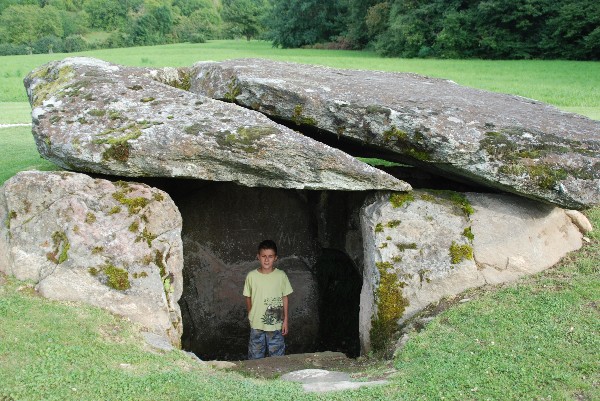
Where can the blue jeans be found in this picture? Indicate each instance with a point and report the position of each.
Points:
(261, 340)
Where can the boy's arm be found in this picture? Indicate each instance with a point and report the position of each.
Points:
(248, 303)
(284, 327)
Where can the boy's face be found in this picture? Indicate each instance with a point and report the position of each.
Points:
(266, 257)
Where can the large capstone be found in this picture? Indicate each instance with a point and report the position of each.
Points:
(113, 245)
(93, 116)
(500, 141)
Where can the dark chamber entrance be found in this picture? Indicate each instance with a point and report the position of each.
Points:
(339, 303)
(222, 225)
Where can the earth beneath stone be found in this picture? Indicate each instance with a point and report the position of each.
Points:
(362, 368)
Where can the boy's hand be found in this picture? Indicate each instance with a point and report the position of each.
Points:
(284, 328)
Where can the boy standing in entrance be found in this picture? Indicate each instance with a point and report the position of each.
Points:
(266, 290)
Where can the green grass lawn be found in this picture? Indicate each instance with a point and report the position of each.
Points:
(19, 153)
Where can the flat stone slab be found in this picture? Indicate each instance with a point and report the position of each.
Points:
(320, 380)
(501, 141)
(93, 116)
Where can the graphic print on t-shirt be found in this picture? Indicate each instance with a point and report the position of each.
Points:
(274, 312)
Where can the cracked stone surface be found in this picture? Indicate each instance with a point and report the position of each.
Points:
(506, 142)
(113, 245)
(93, 116)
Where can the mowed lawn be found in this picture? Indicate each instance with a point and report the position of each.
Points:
(536, 339)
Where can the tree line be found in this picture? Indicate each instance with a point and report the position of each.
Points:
(496, 29)
(42, 26)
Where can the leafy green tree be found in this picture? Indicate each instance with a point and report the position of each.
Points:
(244, 17)
(187, 7)
(24, 24)
(202, 24)
(574, 31)
(295, 23)
(110, 14)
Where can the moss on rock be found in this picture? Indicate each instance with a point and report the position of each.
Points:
(390, 307)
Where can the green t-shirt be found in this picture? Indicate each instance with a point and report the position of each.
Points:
(267, 292)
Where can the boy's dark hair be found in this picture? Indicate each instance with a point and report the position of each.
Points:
(267, 244)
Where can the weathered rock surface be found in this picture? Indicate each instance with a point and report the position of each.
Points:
(507, 142)
(437, 244)
(321, 380)
(114, 245)
(93, 116)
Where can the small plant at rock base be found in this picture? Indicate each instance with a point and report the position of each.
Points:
(398, 200)
(458, 253)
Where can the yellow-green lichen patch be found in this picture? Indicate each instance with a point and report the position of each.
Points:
(415, 147)
(233, 90)
(55, 81)
(546, 177)
(468, 234)
(397, 259)
(134, 227)
(90, 218)
(299, 119)
(379, 228)
(59, 253)
(117, 278)
(247, 138)
(97, 112)
(97, 249)
(423, 275)
(94, 271)
(114, 210)
(146, 236)
(390, 307)
(458, 253)
(116, 115)
(147, 99)
(11, 215)
(393, 223)
(456, 198)
(158, 261)
(133, 205)
(394, 133)
(183, 80)
(404, 246)
(140, 275)
(157, 196)
(119, 145)
(400, 199)
(384, 245)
